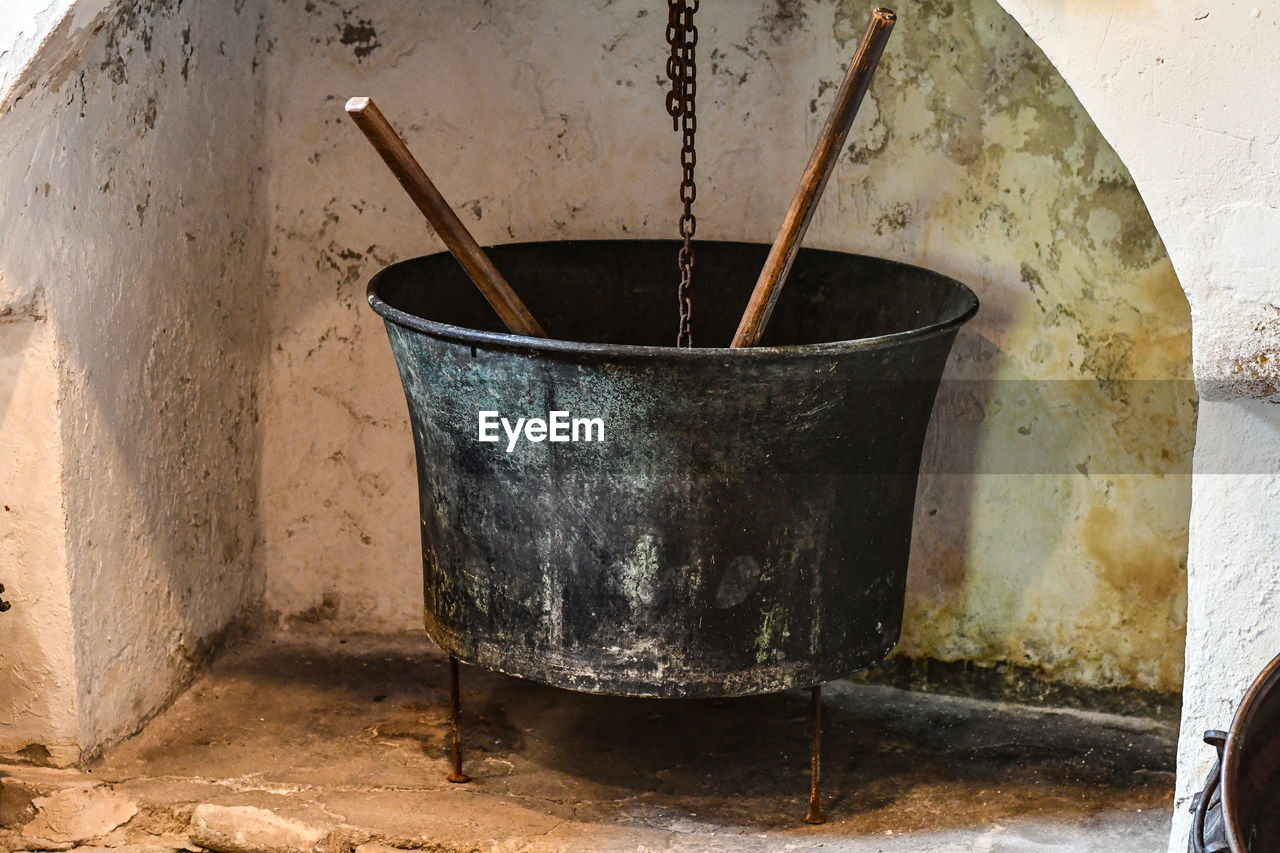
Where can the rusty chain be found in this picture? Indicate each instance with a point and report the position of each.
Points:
(682, 36)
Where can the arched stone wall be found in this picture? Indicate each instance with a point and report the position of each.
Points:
(1185, 92)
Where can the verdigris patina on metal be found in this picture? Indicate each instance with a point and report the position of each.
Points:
(744, 524)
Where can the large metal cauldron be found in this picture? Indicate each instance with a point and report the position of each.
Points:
(743, 526)
(1239, 809)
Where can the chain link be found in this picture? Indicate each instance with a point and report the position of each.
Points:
(682, 69)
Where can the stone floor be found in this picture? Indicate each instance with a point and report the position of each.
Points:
(327, 743)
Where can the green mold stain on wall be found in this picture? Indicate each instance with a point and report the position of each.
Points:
(1052, 511)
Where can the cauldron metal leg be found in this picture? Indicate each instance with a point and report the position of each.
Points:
(815, 814)
(455, 722)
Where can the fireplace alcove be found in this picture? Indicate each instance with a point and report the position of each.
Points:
(191, 410)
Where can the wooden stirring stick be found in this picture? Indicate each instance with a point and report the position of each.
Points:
(822, 161)
(365, 113)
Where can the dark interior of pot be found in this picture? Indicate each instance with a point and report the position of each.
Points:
(1251, 778)
(829, 296)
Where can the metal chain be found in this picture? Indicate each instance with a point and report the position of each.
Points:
(682, 36)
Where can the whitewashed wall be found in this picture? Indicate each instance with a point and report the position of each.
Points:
(38, 705)
(38, 32)
(129, 273)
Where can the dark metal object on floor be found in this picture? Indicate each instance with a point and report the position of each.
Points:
(455, 723)
(1239, 808)
(815, 814)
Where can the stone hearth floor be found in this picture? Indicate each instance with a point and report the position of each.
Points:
(346, 738)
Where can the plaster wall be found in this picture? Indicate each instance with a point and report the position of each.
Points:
(1183, 91)
(129, 209)
(1051, 527)
(30, 28)
(37, 664)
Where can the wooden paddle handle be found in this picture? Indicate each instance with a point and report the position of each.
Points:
(365, 113)
(822, 161)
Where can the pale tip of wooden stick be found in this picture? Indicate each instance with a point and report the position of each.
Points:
(886, 15)
(357, 105)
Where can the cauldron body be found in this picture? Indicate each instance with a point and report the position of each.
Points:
(744, 524)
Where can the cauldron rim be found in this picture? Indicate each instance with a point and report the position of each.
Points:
(1233, 753)
(509, 341)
